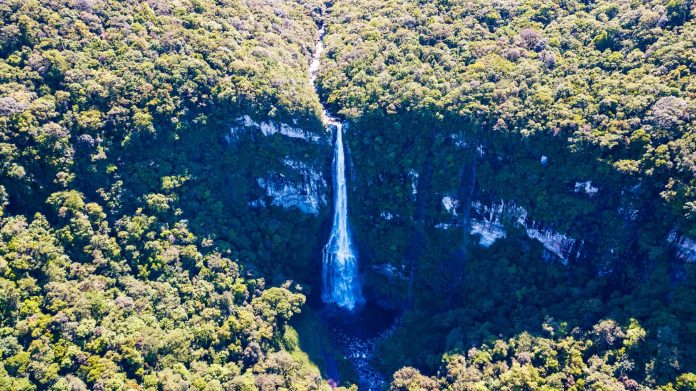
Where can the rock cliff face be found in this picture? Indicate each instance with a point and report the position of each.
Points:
(433, 191)
(277, 174)
(303, 188)
(685, 246)
(408, 192)
(244, 125)
(289, 182)
(490, 223)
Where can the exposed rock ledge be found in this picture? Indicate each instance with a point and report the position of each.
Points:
(490, 221)
(308, 194)
(684, 245)
(245, 124)
(586, 187)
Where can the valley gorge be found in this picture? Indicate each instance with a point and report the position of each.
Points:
(397, 195)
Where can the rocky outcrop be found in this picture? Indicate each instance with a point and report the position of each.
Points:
(391, 272)
(488, 232)
(246, 125)
(560, 244)
(685, 246)
(413, 175)
(304, 188)
(586, 187)
(450, 204)
(490, 222)
(293, 179)
(386, 216)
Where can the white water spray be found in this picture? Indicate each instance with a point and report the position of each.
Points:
(341, 284)
(340, 272)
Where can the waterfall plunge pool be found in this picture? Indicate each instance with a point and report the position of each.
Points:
(342, 343)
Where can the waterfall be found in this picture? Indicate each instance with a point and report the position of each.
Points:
(341, 284)
(340, 266)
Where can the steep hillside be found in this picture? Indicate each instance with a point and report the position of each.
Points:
(517, 160)
(206, 106)
(133, 136)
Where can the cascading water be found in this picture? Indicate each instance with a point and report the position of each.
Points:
(340, 272)
(341, 284)
(356, 332)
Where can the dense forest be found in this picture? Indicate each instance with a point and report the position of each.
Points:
(565, 128)
(103, 285)
(521, 177)
(610, 75)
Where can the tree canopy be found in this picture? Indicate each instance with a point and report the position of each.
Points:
(615, 77)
